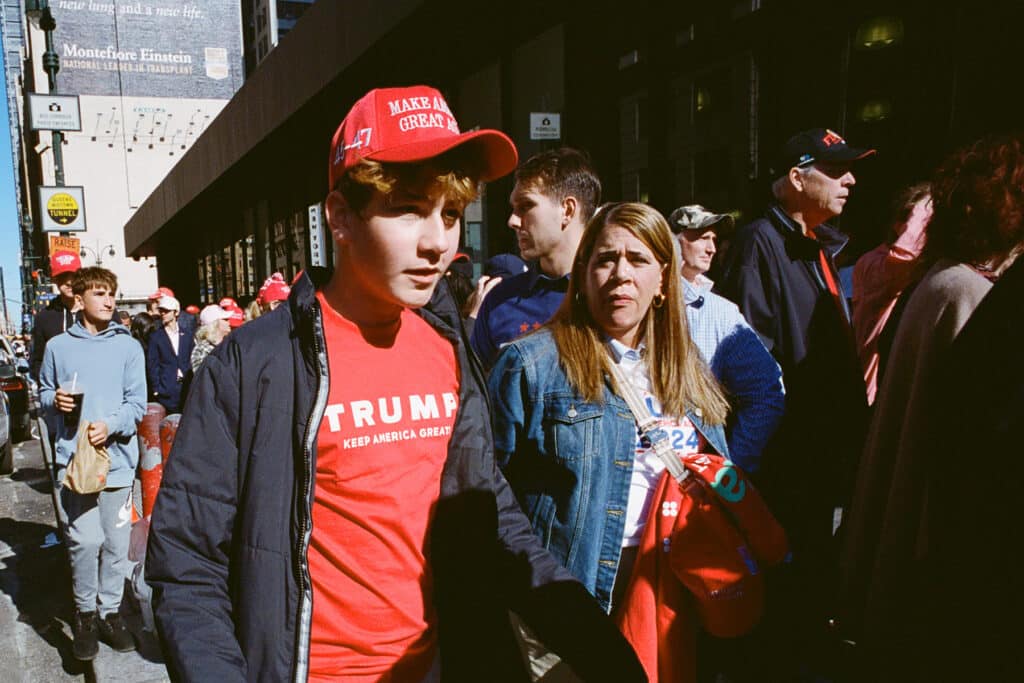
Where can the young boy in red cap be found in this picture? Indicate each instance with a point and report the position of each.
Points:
(59, 315)
(331, 509)
(57, 318)
(151, 306)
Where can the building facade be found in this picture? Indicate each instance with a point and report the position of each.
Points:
(676, 102)
(150, 77)
(264, 23)
(12, 40)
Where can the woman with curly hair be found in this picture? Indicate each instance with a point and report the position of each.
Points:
(975, 234)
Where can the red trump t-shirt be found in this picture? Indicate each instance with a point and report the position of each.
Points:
(381, 447)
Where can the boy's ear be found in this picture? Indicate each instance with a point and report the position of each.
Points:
(339, 217)
(570, 209)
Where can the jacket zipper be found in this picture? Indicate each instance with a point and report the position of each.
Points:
(306, 528)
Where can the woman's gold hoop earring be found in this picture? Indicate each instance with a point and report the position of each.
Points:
(659, 300)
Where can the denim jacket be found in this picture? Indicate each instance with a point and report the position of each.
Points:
(569, 461)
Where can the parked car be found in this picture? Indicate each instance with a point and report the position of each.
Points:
(6, 446)
(15, 386)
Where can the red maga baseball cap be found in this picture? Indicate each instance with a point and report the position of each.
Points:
(161, 291)
(237, 314)
(402, 125)
(64, 262)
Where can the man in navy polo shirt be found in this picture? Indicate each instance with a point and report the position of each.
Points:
(555, 194)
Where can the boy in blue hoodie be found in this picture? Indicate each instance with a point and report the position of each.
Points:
(99, 358)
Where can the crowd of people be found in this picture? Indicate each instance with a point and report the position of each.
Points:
(395, 473)
(96, 367)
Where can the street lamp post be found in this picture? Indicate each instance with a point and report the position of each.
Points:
(40, 10)
(97, 253)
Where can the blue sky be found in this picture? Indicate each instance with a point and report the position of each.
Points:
(10, 246)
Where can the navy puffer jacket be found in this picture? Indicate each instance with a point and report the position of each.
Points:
(227, 548)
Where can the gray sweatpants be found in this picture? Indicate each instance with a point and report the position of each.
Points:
(99, 530)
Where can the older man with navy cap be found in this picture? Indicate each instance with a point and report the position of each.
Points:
(780, 272)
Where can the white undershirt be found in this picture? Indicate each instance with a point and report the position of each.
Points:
(173, 336)
(647, 466)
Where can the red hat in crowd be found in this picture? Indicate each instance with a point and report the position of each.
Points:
(403, 125)
(161, 291)
(237, 314)
(192, 309)
(64, 262)
(274, 289)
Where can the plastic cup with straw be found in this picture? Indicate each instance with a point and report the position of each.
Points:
(71, 418)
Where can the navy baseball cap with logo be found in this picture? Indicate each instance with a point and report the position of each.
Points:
(817, 145)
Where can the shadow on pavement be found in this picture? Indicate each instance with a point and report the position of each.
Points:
(36, 478)
(54, 634)
(38, 581)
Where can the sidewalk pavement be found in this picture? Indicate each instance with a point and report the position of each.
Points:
(35, 592)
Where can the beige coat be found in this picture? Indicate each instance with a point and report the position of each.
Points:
(885, 534)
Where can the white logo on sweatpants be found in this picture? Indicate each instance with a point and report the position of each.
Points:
(124, 514)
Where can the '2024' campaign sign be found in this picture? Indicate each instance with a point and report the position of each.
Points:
(149, 48)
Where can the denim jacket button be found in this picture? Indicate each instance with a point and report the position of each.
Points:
(572, 412)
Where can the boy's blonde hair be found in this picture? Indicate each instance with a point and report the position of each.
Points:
(449, 175)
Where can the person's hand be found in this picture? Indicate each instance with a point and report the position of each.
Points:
(63, 401)
(97, 433)
(484, 285)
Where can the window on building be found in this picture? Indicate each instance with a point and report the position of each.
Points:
(201, 278)
(635, 187)
(211, 284)
(633, 151)
(288, 14)
(227, 270)
(713, 177)
(218, 274)
(241, 283)
(279, 255)
(250, 264)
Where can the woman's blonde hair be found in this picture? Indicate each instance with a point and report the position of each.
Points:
(254, 310)
(680, 379)
(211, 333)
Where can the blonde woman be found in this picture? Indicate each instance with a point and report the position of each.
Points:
(567, 441)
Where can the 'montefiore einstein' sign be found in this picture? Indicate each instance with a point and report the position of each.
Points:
(149, 48)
